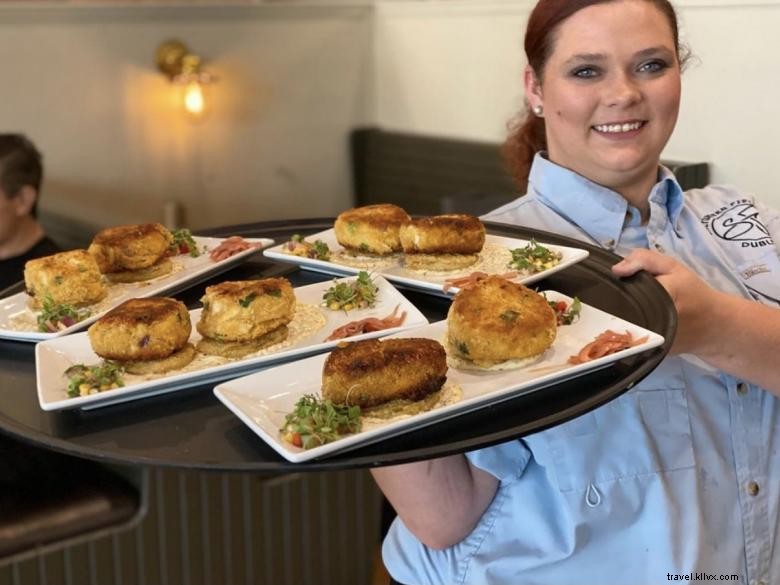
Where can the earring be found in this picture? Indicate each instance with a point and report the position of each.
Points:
(538, 111)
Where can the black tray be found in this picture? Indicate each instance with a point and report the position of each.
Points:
(192, 429)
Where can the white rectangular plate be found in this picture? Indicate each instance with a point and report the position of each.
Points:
(54, 356)
(496, 249)
(18, 321)
(262, 400)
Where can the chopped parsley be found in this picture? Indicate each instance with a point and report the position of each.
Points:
(357, 294)
(86, 380)
(314, 422)
(55, 317)
(510, 316)
(183, 243)
(247, 300)
(534, 258)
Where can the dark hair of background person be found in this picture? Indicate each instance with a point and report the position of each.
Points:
(20, 165)
(527, 131)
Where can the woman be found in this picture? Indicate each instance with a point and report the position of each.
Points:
(679, 477)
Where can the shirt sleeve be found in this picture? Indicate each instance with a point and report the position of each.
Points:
(506, 461)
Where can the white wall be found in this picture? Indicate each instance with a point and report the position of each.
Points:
(81, 81)
(452, 67)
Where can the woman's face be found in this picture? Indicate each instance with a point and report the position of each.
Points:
(610, 92)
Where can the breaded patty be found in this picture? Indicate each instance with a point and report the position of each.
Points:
(245, 310)
(141, 329)
(163, 267)
(498, 320)
(130, 247)
(71, 278)
(372, 229)
(443, 234)
(239, 349)
(177, 360)
(372, 372)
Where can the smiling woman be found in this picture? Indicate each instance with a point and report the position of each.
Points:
(678, 474)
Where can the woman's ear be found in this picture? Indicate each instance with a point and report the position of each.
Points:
(24, 200)
(533, 88)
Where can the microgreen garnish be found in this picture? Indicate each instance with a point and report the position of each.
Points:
(317, 250)
(534, 257)
(54, 317)
(183, 243)
(85, 380)
(566, 314)
(347, 295)
(314, 422)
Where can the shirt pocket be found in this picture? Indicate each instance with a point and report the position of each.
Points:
(645, 431)
(761, 274)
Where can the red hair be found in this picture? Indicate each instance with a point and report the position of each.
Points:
(527, 134)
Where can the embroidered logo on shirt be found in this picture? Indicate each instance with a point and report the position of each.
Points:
(754, 270)
(738, 222)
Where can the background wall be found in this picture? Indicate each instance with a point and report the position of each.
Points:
(453, 67)
(296, 77)
(82, 82)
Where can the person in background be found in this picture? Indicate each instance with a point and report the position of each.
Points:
(22, 237)
(678, 477)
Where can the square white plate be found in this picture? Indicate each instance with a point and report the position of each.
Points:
(394, 271)
(262, 400)
(54, 356)
(18, 321)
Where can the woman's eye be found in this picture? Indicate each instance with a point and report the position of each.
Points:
(652, 67)
(585, 72)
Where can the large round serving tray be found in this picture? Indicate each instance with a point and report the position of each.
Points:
(191, 429)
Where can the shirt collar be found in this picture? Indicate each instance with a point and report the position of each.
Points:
(601, 212)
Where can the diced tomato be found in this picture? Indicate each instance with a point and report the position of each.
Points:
(184, 249)
(296, 439)
(560, 306)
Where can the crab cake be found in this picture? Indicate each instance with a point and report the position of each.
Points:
(442, 242)
(71, 278)
(373, 372)
(144, 335)
(240, 317)
(498, 323)
(372, 229)
(130, 253)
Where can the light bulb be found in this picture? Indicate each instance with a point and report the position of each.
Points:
(194, 103)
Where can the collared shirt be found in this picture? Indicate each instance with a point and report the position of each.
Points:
(678, 479)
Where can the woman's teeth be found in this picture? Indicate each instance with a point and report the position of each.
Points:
(615, 128)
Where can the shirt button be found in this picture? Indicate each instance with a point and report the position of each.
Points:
(610, 243)
(752, 488)
(659, 247)
(742, 389)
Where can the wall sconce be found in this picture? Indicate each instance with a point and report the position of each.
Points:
(184, 68)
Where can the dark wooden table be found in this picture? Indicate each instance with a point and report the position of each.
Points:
(191, 429)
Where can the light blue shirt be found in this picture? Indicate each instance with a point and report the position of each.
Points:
(677, 479)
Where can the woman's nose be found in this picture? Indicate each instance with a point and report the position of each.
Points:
(622, 91)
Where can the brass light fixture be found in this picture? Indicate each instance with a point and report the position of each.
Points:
(184, 68)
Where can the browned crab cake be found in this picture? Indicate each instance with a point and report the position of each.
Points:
(372, 229)
(372, 372)
(442, 242)
(71, 278)
(130, 253)
(144, 335)
(499, 323)
(240, 317)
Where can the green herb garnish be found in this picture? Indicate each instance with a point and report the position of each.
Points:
(298, 246)
(534, 258)
(566, 314)
(510, 316)
(55, 317)
(183, 243)
(314, 422)
(462, 348)
(247, 300)
(357, 294)
(85, 380)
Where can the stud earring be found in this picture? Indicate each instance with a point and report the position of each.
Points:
(538, 111)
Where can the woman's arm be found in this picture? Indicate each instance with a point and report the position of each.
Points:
(439, 501)
(739, 336)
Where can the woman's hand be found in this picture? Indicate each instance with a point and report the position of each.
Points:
(737, 335)
(693, 298)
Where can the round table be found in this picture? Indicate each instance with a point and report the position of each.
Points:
(191, 429)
